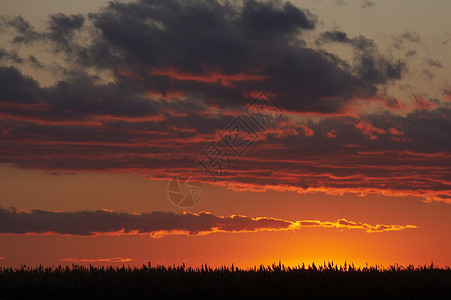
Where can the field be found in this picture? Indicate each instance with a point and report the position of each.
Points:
(268, 282)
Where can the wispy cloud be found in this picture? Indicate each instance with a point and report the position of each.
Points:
(343, 223)
(111, 260)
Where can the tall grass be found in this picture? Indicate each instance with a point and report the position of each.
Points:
(267, 282)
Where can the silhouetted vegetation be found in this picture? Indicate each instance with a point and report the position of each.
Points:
(270, 282)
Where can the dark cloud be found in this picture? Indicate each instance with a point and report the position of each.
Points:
(410, 53)
(61, 30)
(202, 39)
(9, 56)
(261, 38)
(369, 64)
(254, 37)
(26, 33)
(367, 4)
(34, 62)
(407, 36)
(340, 2)
(18, 88)
(88, 223)
(434, 63)
(269, 19)
(428, 74)
(77, 99)
(158, 224)
(192, 36)
(411, 36)
(334, 36)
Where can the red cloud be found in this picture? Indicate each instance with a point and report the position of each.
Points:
(368, 129)
(166, 96)
(332, 134)
(423, 103)
(447, 95)
(213, 77)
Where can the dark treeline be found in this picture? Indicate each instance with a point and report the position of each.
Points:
(266, 282)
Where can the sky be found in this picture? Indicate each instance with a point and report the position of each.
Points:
(225, 132)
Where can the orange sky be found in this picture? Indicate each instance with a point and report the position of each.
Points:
(130, 193)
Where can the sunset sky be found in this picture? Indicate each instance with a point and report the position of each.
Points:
(103, 104)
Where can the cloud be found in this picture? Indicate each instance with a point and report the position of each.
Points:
(11, 56)
(159, 140)
(110, 260)
(422, 103)
(250, 38)
(407, 36)
(410, 53)
(157, 224)
(367, 4)
(261, 42)
(428, 74)
(176, 84)
(411, 36)
(61, 27)
(447, 94)
(434, 63)
(369, 64)
(60, 30)
(296, 155)
(345, 224)
(340, 2)
(34, 62)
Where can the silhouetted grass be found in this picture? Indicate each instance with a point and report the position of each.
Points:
(270, 282)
